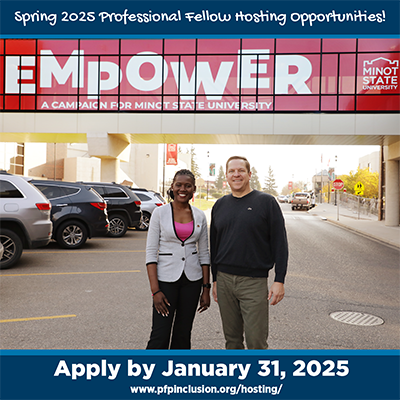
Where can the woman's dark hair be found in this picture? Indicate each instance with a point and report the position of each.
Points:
(186, 172)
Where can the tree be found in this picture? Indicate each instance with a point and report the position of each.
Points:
(370, 180)
(254, 181)
(220, 178)
(269, 183)
(193, 164)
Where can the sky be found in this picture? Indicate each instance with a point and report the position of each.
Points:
(288, 162)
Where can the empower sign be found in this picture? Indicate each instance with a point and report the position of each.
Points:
(201, 75)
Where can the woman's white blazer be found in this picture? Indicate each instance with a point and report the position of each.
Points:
(171, 254)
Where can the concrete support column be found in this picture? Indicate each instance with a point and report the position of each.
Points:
(110, 170)
(392, 216)
(111, 150)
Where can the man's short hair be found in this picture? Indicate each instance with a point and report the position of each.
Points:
(238, 158)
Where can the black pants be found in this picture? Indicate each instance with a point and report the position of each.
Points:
(183, 296)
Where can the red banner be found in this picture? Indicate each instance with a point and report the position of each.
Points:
(248, 75)
(172, 154)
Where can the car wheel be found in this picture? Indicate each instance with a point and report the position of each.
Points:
(144, 222)
(118, 225)
(293, 208)
(71, 235)
(12, 248)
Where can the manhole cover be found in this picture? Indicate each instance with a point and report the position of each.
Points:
(356, 318)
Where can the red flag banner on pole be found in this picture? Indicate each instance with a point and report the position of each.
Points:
(172, 154)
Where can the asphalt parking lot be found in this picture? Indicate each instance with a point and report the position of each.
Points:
(97, 297)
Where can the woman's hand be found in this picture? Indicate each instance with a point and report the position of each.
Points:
(204, 300)
(161, 304)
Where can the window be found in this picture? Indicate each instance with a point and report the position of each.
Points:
(143, 197)
(69, 191)
(115, 192)
(51, 192)
(9, 191)
(159, 197)
(100, 190)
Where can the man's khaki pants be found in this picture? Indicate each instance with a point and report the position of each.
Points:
(243, 304)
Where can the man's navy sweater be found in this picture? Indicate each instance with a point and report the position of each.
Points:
(248, 236)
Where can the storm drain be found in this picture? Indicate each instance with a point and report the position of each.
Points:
(356, 318)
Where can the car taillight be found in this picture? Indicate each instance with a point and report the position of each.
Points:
(100, 206)
(159, 204)
(43, 206)
(138, 203)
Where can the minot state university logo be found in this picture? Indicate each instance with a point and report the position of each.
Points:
(380, 74)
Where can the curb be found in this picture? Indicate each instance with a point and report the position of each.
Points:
(363, 233)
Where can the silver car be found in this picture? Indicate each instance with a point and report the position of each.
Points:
(150, 200)
(24, 218)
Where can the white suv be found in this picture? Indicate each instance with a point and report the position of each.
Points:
(24, 218)
(150, 200)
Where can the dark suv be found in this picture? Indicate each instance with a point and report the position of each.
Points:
(123, 206)
(77, 212)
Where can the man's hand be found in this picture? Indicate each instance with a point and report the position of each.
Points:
(276, 292)
(214, 291)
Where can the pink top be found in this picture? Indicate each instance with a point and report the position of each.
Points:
(183, 231)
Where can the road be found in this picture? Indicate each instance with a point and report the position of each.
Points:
(98, 297)
(332, 269)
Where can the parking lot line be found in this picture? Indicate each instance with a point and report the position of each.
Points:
(73, 273)
(84, 251)
(36, 318)
(308, 277)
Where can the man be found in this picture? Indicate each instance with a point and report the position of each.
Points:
(247, 238)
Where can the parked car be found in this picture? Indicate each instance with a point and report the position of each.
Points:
(312, 197)
(282, 198)
(24, 218)
(77, 212)
(301, 200)
(150, 200)
(123, 206)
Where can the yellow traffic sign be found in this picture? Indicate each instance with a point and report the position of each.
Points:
(359, 189)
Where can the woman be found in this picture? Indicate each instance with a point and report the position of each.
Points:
(177, 261)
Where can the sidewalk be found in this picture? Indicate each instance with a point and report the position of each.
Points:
(367, 225)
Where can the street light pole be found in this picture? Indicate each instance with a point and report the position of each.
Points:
(336, 192)
(322, 184)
